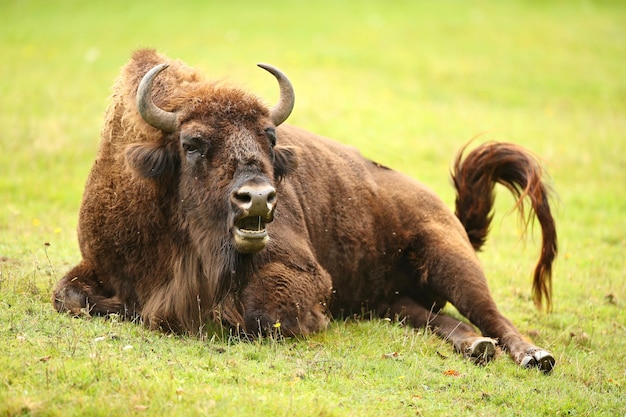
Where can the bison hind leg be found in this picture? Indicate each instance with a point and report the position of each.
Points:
(480, 349)
(463, 337)
(538, 358)
(80, 293)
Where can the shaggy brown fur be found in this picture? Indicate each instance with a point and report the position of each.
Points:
(157, 223)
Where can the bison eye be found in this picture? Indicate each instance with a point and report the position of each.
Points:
(190, 149)
(193, 146)
(270, 133)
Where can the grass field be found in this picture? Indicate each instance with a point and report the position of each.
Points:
(409, 83)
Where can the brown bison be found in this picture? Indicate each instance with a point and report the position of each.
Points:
(202, 205)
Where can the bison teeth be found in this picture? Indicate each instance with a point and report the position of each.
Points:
(252, 232)
(250, 228)
(252, 225)
(250, 235)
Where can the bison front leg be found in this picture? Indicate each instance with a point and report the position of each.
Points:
(287, 298)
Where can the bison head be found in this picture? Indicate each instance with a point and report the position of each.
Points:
(219, 151)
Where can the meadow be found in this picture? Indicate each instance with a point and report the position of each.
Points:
(408, 83)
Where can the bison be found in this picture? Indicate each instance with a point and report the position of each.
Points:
(203, 205)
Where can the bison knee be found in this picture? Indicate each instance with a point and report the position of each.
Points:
(80, 301)
(80, 293)
(69, 299)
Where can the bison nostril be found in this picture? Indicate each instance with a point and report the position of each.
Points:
(271, 197)
(242, 197)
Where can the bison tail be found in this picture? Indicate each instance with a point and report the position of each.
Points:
(475, 176)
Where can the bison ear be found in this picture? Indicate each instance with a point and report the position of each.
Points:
(285, 161)
(152, 160)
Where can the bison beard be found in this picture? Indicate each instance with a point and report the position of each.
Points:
(201, 205)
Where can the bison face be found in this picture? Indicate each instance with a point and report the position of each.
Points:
(227, 181)
(220, 153)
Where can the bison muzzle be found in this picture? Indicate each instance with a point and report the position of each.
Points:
(203, 205)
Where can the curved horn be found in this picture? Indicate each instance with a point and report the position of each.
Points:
(281, 111)
(154, 116)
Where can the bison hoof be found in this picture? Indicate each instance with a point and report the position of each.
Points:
(540, 359)
(482, 350)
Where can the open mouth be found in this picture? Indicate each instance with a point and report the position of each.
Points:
(250, 234)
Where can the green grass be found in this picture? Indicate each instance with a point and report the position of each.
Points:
(408, 82)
